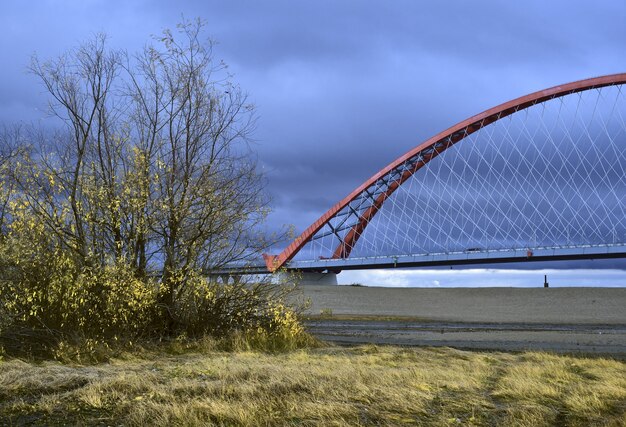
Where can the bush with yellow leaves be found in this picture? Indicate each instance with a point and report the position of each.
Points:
(52, 305)
(257, 315)
(48, 297)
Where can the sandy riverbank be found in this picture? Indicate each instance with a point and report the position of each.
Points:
(584, 320)
(497, 305)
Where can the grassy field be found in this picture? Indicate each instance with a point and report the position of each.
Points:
(365, 385)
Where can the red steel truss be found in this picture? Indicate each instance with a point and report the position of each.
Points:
(401, 169)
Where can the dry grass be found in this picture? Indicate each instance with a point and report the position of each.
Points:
(366, 385)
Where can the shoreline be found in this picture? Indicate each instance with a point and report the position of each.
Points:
(562, 320)
(497, 305)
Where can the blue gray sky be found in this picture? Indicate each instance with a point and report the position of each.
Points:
(342, 87)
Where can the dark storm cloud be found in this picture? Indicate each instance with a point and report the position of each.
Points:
(342, 87)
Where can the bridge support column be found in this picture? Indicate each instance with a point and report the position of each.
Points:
(235, 279)
(309, 278)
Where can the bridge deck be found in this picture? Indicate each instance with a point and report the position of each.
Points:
(469, 257)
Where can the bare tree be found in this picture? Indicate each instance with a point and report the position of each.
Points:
(153, 166)
(82, 157)
(194, 125)
(13, 145)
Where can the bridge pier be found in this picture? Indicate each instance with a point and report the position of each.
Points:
(309, 278)
(226, 278)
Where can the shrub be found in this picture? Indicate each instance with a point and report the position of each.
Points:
(53, 301)
(257, 312)
(53, 306)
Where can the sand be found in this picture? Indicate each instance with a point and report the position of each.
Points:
(579, 320)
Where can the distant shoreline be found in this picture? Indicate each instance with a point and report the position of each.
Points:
(566, 305)
(474, 287)
(487, 277)
(577, 320)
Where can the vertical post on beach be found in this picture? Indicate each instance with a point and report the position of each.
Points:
(545, 281)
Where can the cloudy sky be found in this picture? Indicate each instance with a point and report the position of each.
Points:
(342, 87)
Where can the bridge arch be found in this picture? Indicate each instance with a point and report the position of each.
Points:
(375, 191)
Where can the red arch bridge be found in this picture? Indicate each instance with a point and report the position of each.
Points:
(541, 177)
